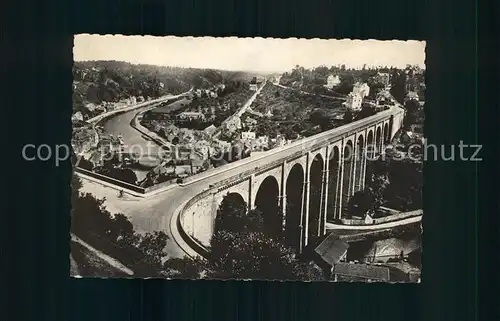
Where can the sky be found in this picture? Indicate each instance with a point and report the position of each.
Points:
(247, 54)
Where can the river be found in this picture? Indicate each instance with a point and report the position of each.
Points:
(134, 141)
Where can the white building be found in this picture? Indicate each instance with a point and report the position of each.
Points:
(202, 147)
(233, 124)
(247, 135)
(250, 122)
(77, 116)
(279, 141)
(191, 115)
(253, 87)
(411, 95)
(353, 101)
(332, 81)
(362, 89)
(210, 130)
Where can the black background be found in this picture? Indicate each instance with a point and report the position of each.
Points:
(38, 88)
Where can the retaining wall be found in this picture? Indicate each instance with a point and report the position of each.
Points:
(111, 180)
(386, 219)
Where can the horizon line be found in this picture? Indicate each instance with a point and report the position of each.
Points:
(248, 70)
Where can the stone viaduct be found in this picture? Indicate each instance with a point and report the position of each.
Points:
(300, 186)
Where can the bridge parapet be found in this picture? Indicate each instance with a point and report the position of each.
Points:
(197, 216)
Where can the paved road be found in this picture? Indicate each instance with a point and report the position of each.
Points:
(240, 111)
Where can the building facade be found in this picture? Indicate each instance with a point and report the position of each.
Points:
(353, 101)
(332, 81)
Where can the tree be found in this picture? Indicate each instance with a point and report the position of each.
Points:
(321, 118)
(252, 255)
(405, 190)
(152, 245)
(398, 85)
(85, 164)
(241, 249)
(361, 203)
(114, 234)
(375, 88)
(348, 116)
(412, 109)
(186, 268)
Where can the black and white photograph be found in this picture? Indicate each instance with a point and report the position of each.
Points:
(247, 158)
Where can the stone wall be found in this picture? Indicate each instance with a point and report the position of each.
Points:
(198, 218)
(386, 219)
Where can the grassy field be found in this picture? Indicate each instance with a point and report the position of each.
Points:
(291, 111)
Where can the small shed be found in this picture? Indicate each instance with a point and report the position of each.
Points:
(332, 250)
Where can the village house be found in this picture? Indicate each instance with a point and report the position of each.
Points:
(254, 113)
(247, 136)
(353, 101)
(221, 145)
(382, 78)
(171, 129)
(279, 141)
(361, 89)
(260, 143)
(198, 165)
(253, 87)
(210, 130)
(332, 81)
(191, 116)
(268, 114)
(77, 117)
(411, 95)
(233, 124)
(186, 132)
(132, 100)
(203, 148)
(250, 122)
(331, 256)
(90, 107)
(407, 137)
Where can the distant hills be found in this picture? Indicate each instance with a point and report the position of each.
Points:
(112, 81)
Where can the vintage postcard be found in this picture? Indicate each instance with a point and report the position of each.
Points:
(247, 158)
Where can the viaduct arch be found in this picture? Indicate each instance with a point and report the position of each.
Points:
(300, 187)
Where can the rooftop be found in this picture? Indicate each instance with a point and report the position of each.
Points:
(332, 249)
(361, 270)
